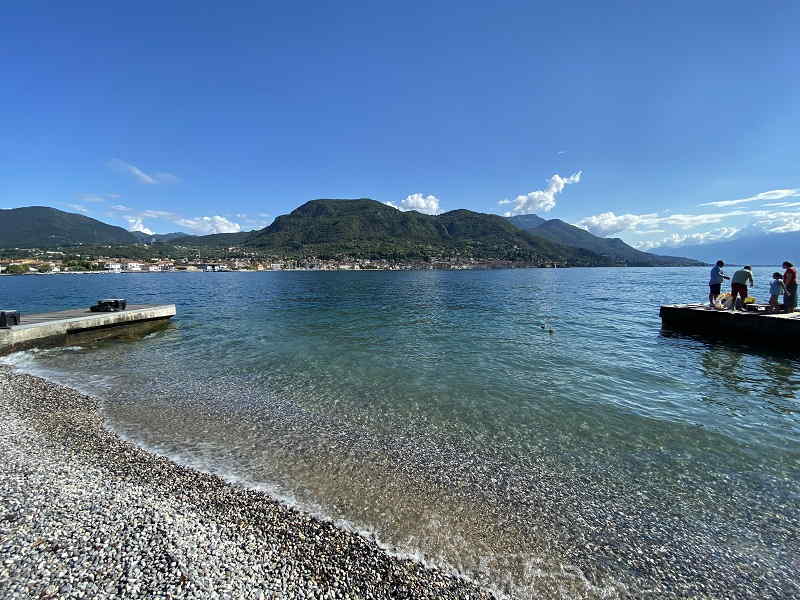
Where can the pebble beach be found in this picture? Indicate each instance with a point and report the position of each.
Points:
(85, 514)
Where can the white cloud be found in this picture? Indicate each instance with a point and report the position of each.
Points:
(78, 208)
(136, 224)
(98, 198)
(541, 200)
(608, 223)
(782, 204)
(785, 227)
(778, 221)
(141, 176)
(770, 195)
(425, 204)
(120, 208)
(678, 239)
(166, 178)
(159, 214)
(247, 221)
(209, 225)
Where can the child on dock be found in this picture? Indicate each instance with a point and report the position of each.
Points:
(776, 288)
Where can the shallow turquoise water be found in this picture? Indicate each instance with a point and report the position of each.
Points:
(533, 428)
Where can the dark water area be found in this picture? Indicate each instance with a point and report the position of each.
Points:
(533, 428)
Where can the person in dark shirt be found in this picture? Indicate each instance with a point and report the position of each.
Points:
(790, 281)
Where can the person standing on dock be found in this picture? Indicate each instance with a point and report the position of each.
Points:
(790, 281)
(741, 279)
(715, 283)
(776, 288)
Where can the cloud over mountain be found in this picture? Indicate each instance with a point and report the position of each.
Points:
(428, 205)
(208, 225)
(541, 200)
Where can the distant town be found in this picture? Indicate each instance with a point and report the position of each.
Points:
(42, 261)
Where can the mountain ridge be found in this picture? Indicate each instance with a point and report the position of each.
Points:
(46, 227)
(615, 249)
(368, 228)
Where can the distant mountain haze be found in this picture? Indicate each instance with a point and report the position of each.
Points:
(151, 238)
(45, 227)
(615, 249)
(527, 222)
(752, 249)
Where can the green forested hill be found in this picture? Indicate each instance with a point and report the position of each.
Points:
(44, 227)
(364, 227)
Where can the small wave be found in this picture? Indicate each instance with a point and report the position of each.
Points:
(36, 361)
(487, 575)
(24, 358)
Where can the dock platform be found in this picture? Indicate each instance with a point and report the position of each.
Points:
(755, 326)
(61, 327)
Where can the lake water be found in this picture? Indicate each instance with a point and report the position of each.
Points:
(533, 428)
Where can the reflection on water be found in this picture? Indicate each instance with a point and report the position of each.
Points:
(770, 382)
(437, 410)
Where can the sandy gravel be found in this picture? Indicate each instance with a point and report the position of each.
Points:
(84, 514)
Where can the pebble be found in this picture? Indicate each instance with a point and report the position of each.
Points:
(84, 514)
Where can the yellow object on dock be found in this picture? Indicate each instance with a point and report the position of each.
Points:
(54, 328)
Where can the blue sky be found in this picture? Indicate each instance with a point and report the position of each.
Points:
(628, 118)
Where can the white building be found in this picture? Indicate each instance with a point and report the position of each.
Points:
(132, 266)
(115, 267)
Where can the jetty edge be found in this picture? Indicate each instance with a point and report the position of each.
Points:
(65, 326)
(753, 326)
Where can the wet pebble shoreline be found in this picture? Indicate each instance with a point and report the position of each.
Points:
(84, 514)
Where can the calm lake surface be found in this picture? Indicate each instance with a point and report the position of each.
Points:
(533, 428)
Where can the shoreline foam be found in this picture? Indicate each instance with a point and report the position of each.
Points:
(86, 514)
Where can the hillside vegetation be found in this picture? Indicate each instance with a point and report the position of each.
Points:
(44, 227)
(366, 228)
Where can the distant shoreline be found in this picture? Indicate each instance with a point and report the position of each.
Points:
(301, 270)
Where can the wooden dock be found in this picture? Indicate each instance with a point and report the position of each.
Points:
(64, 326)
(749, 325)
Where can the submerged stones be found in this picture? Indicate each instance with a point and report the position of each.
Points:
(84, 514)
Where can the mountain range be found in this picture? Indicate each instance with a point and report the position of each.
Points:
(614, 249)
(367, 228)
(355, 227)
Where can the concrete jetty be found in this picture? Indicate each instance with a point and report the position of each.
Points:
(756, 326)
(68, 326)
